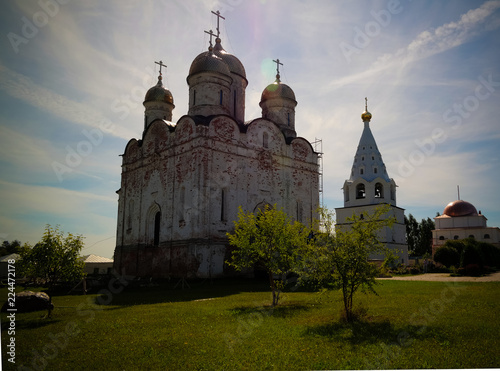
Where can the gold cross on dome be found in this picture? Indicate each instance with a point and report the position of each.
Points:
(161, 65)
(218, 19)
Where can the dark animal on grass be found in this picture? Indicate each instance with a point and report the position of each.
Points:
(29, 301)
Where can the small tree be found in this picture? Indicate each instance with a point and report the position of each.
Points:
(339, 258)
(54, 259)
(270, 240)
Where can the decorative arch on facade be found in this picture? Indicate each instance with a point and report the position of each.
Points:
(261, 206)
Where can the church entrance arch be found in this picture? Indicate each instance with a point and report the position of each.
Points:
(153, 221)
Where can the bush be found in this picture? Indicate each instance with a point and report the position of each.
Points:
(461, 271)
(490, 253)
(471, 254)
(447, 256)
(473, 270)
(414, 270)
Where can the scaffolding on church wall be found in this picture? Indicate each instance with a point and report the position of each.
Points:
(318, 148)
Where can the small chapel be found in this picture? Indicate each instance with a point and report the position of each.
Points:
(182, 183)
(368, 187)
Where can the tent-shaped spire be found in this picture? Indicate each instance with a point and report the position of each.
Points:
(368, 163)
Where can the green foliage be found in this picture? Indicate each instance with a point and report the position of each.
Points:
(54, 259)
(419, 235)
(10, 247)
(447, 255)
(339, 257)
(462, 253)
(268, 240)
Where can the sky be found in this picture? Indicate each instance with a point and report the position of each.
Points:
(73, 76)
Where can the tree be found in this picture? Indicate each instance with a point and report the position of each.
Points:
(448, 256)
(10, 247)
(339, 257)
(54, 259)
(419, 235)
(270, 240)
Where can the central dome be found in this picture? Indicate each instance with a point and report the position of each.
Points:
(460, 208)
(234, 64)
(208, 62)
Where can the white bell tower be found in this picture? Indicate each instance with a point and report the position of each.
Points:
(368, 186)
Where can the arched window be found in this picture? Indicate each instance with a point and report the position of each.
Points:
(220, 97)
(486, 236)
(346, 193)
(441, 238)
(361, 171)
(234, 103)
(455, 237)
(223, 205)
(194, 97)
(360, 191)
(156, 237)
(379, 190)
(129, 214)
(393, 193)
(471, 236)
(265, 140)
(299, 211)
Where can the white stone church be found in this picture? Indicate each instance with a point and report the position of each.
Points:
(182, 183)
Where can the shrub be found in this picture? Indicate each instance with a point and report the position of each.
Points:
(473, 270)
(471, 254)
(447, 256)
(461, 271)
(414, 270)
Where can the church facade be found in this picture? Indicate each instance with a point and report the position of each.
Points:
(182, 183)
(368, 187)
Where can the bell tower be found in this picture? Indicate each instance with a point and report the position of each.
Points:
(368, 186)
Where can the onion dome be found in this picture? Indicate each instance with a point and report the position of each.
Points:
(234, 64)
(460, 208)
(366, 116)
(158, 93)
(277, 90)
(209, 62)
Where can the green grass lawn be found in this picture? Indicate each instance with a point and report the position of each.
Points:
(228, 325)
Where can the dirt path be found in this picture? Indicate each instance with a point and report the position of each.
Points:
(445, 277)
